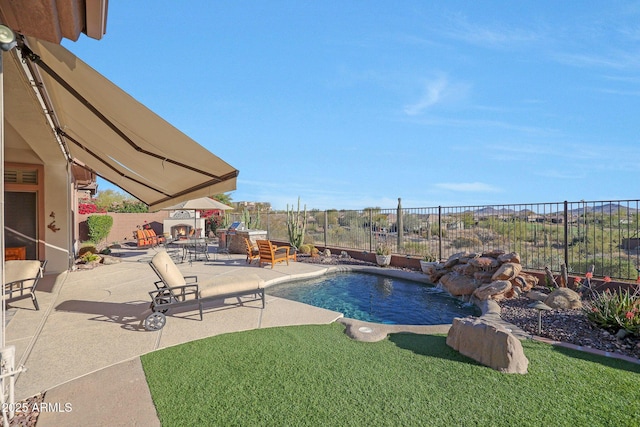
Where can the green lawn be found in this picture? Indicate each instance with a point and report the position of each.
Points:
(316, 375)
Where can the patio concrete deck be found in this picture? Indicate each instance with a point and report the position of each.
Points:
(90, 320)
(83, 347)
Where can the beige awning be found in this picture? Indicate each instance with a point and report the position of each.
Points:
(120, 139)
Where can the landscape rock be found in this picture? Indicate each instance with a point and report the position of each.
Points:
(537, 296)
(458, 285)
(564, 298)
(495, 290)
(455, 259)
(483, 276)
(525, 281)
(495, 253)
(507, 271)
(510, 257)
(109, 260)
(484, 263)
(492, 345)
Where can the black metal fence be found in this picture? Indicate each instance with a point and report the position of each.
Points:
(605, 234)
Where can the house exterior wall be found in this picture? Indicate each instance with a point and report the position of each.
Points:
(57, 231)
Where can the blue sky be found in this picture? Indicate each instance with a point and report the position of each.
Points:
(352, 104)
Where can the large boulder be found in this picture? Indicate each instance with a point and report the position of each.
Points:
(510, 257)
(495, 290)
(484, 263)
(525, 281)
(464, 269)
(492, 345)
(564, 298)
(458, 285)
(507, 271)
(537, 296)
(483, 276)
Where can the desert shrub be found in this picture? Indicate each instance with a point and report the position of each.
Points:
(87, 249)
(466, 242)
(615, 310)
(305, 249)
(89, 257)
(99, 227)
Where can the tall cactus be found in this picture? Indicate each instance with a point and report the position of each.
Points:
(296, 225)
(251, 222)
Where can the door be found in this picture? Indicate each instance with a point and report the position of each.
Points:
(21, 222)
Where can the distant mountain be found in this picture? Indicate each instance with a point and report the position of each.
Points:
(606, 209)
(489, 211)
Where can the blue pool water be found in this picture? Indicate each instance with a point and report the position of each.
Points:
(378, 299)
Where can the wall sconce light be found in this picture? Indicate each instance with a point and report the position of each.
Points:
(7, 38)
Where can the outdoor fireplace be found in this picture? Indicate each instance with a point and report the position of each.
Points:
(180, 231)
(181, 222)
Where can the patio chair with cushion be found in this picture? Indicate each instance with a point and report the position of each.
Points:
(272, 254)
(151, 235)
(142, 240)
(21, 278)
(173, 289)
(252, 252)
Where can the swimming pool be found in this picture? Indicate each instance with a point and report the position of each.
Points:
(375, 298)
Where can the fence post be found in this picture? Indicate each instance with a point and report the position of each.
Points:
(439, 232)
(268, 224)
(326, 226)
(399, 224)
(566, 233)
(370, 230)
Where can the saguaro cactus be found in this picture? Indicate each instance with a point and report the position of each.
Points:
(251, 221)
(296, 225)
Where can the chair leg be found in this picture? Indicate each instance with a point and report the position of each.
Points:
(35, 301)
(200, 307)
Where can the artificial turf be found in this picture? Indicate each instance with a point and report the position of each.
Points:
(315, 375)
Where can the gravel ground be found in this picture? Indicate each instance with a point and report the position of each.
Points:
(570, 326)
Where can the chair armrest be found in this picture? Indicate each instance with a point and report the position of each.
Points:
(179, 292)
(17, 286)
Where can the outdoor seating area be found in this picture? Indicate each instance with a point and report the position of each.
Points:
(252, 252)
(21, 279)
(174, 289)
(271, 254)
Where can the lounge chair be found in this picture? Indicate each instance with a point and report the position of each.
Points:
(173, 289)
(153, 237)
(252, 253)
(272, 254)
(21, 278)
(142, 239)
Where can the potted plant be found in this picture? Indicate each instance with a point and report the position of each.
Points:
(383, 255)
(428, 262)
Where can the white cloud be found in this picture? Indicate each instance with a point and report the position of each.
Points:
(490, 36)
(437, 91)
(432, 94)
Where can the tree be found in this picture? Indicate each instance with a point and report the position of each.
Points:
(223, 198)
(115, 201)
(106, 199)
